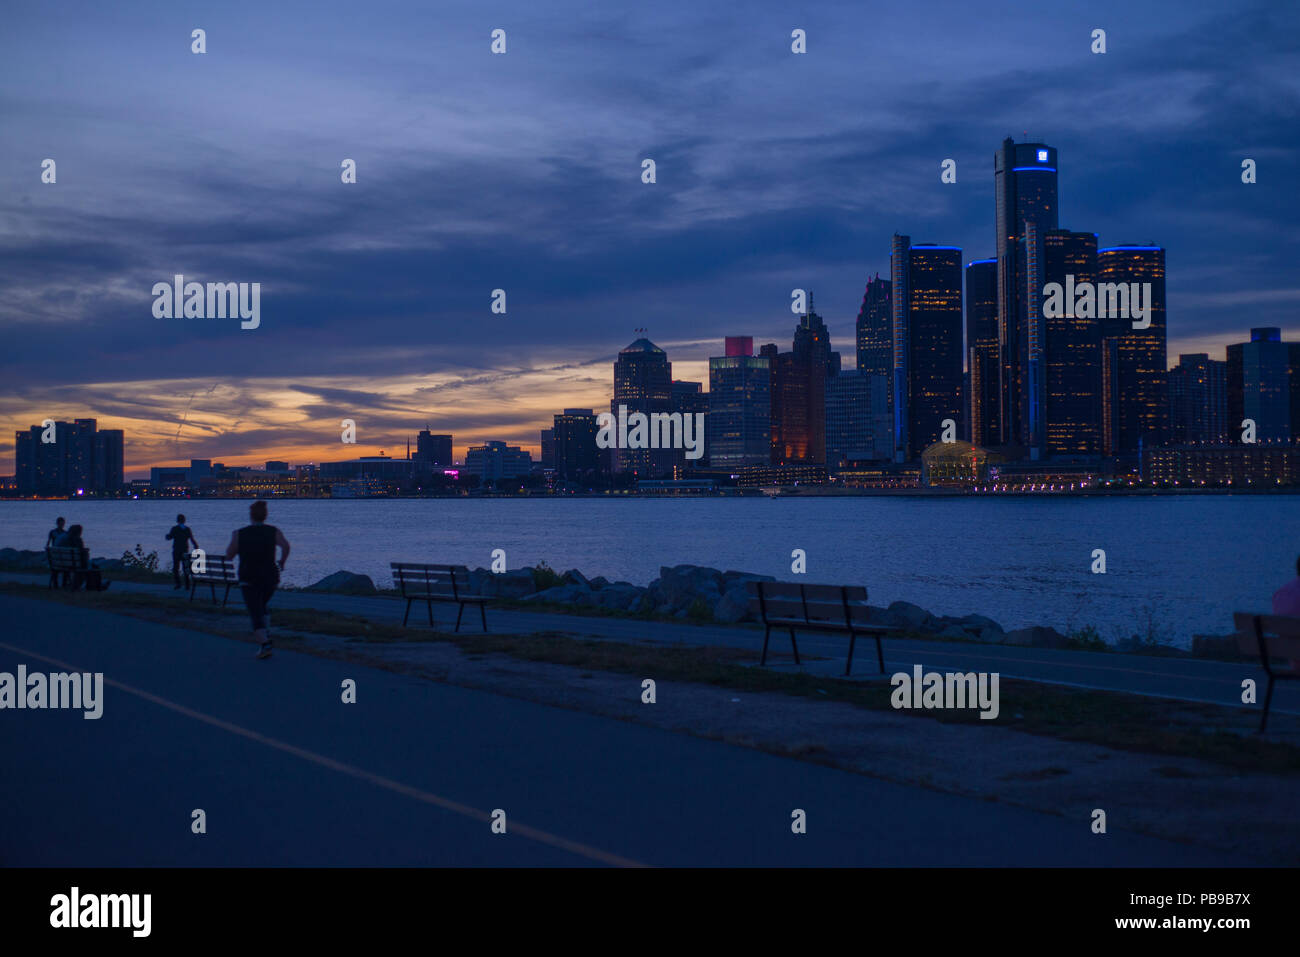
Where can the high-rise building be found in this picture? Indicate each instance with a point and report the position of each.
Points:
(79, 460)
(982, 351)
(1065, 413)
(1198, 400)
(1025, 184)
(432, 451)
(643, 379)
(927, 336)
(739, 423)
(812, 342)
(1259, 375)
(875, 339)
(577, 458)
(548, 448)
(1141, 386)
(858, 425)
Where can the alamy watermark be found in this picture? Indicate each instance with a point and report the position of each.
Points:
(932, 689)
(58, 689)
(658, 430)
(215, 300)
(76, 909)
(1104, 300)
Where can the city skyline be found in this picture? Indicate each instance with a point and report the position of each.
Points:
(368, 322)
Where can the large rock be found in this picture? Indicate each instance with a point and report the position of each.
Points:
(575, 577)
(513, 584)
(345, 583)
(681, 585)
(733, 606)
(564, 595)
(903, 614)
(986, 629)
(23, 558)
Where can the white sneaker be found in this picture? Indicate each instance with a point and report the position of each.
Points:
(264, 651)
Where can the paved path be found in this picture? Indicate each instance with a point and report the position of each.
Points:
(1185, 679)
(289, 775)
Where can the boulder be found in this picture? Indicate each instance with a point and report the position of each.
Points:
(23, 558)
(903, 614)
(680, 585)
(599, 582)
(513, 584)
(733, 606)
(575, 577)
(345, 583)
(985, 628)
(954, 631)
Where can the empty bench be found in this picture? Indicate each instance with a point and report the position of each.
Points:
(1275, 640)
(430, 583)
(218, 570)
(838, 609)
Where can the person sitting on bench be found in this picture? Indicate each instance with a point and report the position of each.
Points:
(87, 574)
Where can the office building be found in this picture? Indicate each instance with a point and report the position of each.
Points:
(1025, 187)
(494, 461)
(927, 337)
(1064, 380)
(1139, 391)
(1198, 400)
(982, 377)
(739, 423)
(858, 423)
(577, 459)
(643, 379)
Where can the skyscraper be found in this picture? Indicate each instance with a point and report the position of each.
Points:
(1198, 400)
(857, 419)
(432, 451)
(1066, 416)
(1142, 410)
(927, 337)
(643, 379)
(982, 350)
(739, 423)
(875, 343)
(547, 446)
(1260, 375)
(577, 458)
(79, 460)
(1025, 184)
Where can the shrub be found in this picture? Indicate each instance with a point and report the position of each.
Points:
(139, 561)
(544, 577)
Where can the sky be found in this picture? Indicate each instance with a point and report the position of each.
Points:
(522, 171)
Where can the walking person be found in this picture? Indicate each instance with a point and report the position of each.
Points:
(259, 572)
(181, 536)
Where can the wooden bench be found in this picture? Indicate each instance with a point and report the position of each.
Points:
(1270, 637)
(430, 583)
(840, 609)
(217, 570)
(67, 561)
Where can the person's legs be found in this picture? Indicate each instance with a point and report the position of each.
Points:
(178, 559)
(255, 597)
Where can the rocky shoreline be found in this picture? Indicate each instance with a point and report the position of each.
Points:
(706, 595)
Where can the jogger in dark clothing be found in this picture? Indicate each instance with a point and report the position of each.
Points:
(181, 536)
(259, 572)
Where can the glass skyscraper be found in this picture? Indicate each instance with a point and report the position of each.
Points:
(982, 350)
(1140, 414)
(927, 334)
(1025, 184)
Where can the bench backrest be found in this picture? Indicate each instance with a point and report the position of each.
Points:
(431, 581)
(216, 568)
(65, 558)
(845, 604)
(1269, 636)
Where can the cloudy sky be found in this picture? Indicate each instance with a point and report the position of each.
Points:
(522, 171)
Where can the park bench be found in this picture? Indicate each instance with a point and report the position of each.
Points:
(67, 561)
(430, 583)
(217, 570)
(1275, 640)
(838, 609)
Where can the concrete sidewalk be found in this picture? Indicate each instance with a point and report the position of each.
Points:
(411, 773)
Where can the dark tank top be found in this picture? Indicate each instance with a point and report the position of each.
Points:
(257, 554)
